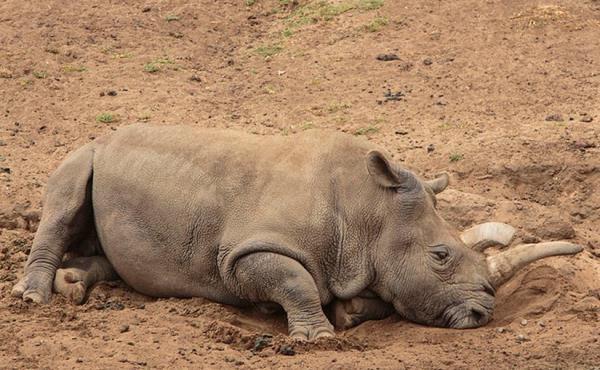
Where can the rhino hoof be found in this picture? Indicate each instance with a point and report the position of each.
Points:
(32, 288)
(311, 332)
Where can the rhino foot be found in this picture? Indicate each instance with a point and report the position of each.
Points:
(35, 286)
(79, 274)
(70, 282)
(312, 332)
(350, 313)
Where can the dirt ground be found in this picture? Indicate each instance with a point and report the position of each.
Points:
(504, 95)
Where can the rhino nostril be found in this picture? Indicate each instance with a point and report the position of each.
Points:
(478, 315)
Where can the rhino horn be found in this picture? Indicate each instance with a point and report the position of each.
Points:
(485, 235)
(504, 265)
(439, 183)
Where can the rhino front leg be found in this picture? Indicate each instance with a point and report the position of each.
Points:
(270, 277)
(65, 220)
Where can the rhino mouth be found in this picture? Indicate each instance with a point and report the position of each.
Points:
(470, 314)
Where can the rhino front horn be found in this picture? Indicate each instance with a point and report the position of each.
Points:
(504, 265)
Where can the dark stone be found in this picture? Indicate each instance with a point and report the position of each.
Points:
(387, 57)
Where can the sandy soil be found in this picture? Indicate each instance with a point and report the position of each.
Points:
(502, 94)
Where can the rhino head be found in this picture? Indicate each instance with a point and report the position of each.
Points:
(430, 272)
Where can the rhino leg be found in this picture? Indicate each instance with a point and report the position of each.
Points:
(352, 312)
(77, 275)
(66, 219)
(271, 277)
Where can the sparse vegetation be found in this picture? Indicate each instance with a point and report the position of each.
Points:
(317, 11)
(171, 18)
(455, 157)
(40, 74)
(106, 117)
(144, 117)
(74, 68)
(376, 24)
(369, 4)
(250, 2)
(155, 65)
(336, 107)
(269, 50)
(151, 68)
(366, 130)
(307, 126)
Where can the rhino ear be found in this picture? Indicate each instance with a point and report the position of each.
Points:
(382, 171)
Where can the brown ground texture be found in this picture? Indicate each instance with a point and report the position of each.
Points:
(504, 95)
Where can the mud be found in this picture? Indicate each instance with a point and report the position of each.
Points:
(501, 94)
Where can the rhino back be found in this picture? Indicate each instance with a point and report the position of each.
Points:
(166, 198)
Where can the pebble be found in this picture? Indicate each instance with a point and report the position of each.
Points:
(287, 350)
(587, 119)
(554, 118)
(387, 57)
(524, 322)
(522, 338)
(401, 132)
(427, 61)
(500, 330)
(124, 328)
(430, 148)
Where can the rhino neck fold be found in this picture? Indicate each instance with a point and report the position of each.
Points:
(351, 272)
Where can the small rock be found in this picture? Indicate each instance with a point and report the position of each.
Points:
(556, 229)
(542, 323)
(401, 132)
(387, 57)
(262, 341)
(524, 322)
(587, 119)
(554, 118)
(430, 148)
(427, 61)
(146, 9)
(287, 350)
(79, 360)
(5, 170)
(5, 73)
(522, 338)
(2, 143)
(500, 330)
(195, 78)
(111, 93)
(124, 328)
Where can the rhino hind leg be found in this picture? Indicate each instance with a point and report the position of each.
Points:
(346, 314)
(66, 219)
(77, 275)
(270, 277)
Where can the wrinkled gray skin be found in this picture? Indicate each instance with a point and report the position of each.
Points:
(300, 221)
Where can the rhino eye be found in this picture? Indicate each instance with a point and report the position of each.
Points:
(440, 253)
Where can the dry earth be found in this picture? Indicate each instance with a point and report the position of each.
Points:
(502, 94)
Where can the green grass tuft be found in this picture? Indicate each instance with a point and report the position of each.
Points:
(366, 130)
(455, 157)
(106, 117)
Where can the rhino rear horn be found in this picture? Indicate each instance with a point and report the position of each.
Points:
(439, 183)
(505, 265)
(488, 234)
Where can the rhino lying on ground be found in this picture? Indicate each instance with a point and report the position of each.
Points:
(300, 221)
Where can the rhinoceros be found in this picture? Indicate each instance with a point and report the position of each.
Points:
(297, 222)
